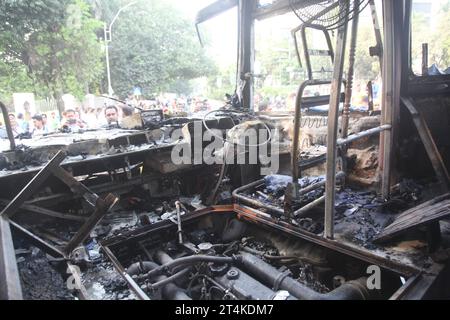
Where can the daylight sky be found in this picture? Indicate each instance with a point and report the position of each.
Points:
(221, 31)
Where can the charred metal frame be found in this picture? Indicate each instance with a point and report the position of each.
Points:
(12, 141)
(10, 288)
(248, 12)
(396, 21)
(307, 52)
(101, 206)
(333, 116)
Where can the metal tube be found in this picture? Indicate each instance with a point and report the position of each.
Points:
(187, 261)
(321, 184)
(179, 221)
(169, 289)
(108, 68)
(256, 203)
(164, 281)
(354, 290)
(246, 9)
(9, 131)
(351, 72)
(390, 94)
(363, 134)
(162, 258)
(333, 129)
(140, 294)
(301, 212)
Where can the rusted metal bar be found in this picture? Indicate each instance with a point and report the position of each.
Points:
(37, 242)
(116, 188)
(301, 212)
(390, 94)
(409, 285)
(102, 207)
(363, 134)
(140, 294)
(9, 131)
(33, 186)
(247, 51)
(10, 288)
(333, 117)
(351, 73)
(179, 223)
(75, 186)
(47, 212)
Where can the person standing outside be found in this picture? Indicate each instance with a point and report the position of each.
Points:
(112, 117)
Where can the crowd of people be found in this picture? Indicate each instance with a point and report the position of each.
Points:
(72, 120)
(28, 125)
(174, 105)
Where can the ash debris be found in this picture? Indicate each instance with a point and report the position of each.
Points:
(406, 194)
(307, 278)
(359, 210)
(102, 282)
(24, 158)
(41, 278)
(367, 215)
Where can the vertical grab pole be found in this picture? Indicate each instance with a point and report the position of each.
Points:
(335, 99)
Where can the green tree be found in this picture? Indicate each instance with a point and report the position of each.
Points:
(154, 47)
(440, 46)
(55, 40)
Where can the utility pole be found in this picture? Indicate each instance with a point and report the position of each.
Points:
(108, 39)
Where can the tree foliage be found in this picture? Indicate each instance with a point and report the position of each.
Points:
(55, 40)
(154, 47)
(436, 34)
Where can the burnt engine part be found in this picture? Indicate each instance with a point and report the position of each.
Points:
(238, 260)
(254, 283)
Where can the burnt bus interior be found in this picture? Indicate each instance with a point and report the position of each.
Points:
(107, 215)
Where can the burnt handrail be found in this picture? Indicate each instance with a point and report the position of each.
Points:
(12, 141)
